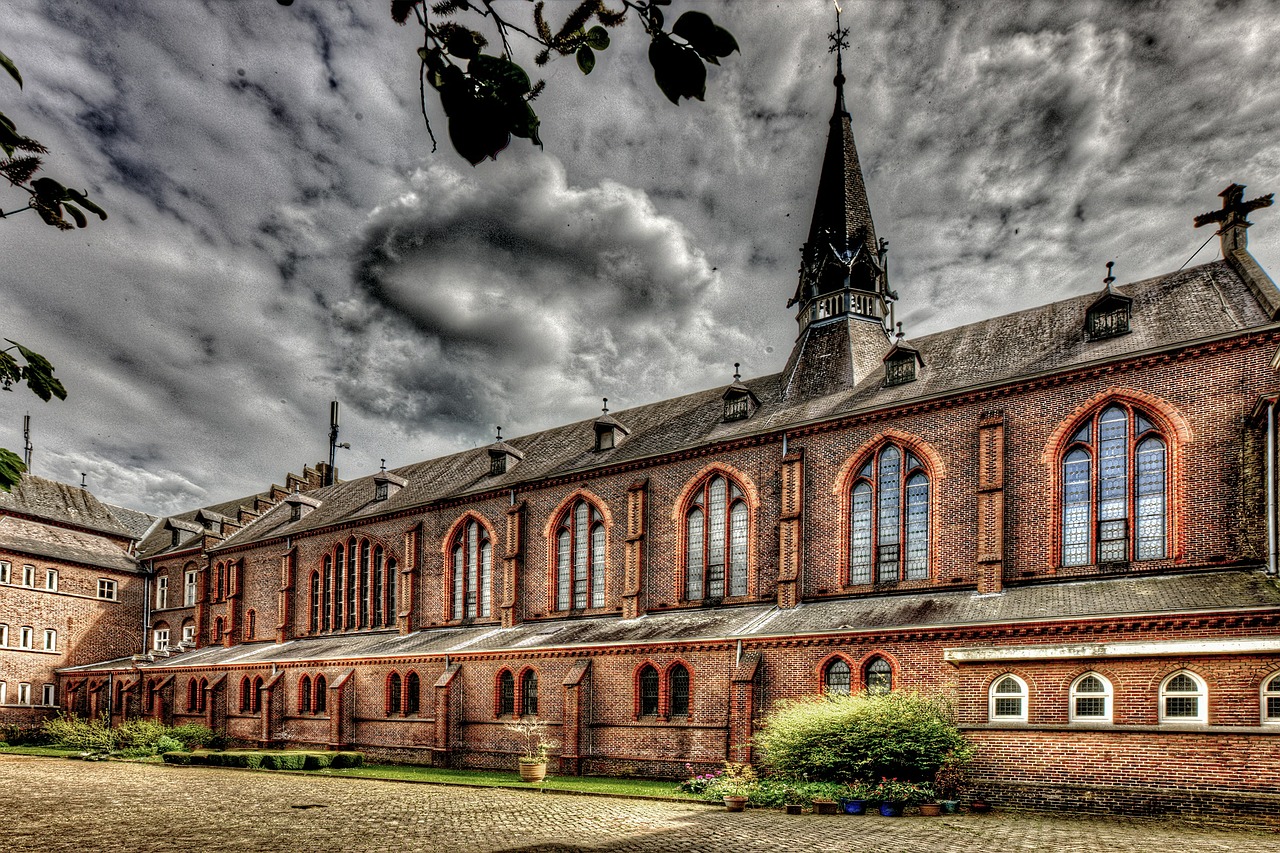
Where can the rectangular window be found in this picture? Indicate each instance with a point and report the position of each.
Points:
(50, 696)
(106, 589)
(28, 575)
(5, 569)
(24, 694)
(50, 640)
(51, 580)
(162, 592)
(189, 589)
(27, 638)
(188, 633)
(4, 635)
(1008, 706)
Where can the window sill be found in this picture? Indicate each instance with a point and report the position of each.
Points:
(1162, 728)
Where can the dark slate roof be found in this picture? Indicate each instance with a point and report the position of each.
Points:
(1110, 597)
(138, 523)
(65, 504)
(1192, 304)
(60, 543)
(160, 540)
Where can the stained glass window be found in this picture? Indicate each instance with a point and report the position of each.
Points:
(580, 557)
(716, 547)
(889, 519)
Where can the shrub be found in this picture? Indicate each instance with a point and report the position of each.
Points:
(140, 734)
(347, 759)
(192, 735)
(90, 735)
(164, 743)
(317, 760)
(17, 734)
(843, 738)
(181, 758)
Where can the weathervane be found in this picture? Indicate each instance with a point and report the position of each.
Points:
(840, 38)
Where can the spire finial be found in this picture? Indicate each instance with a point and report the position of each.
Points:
(839, 41)
(900, 334)
(606, 404)
(736, 375)
(499, 429)
(1110, 278)
(384, 464)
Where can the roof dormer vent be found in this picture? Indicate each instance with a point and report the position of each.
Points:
(502, 456)
(386, 484)
(300, 505)
(609, 431)
(739, 402)
(1109, 315)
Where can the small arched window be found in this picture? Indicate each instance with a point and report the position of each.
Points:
(529, 694)
(201, 694)
(393, 694)
(246, 686)
(716, 539)
(506, 693)
(879, 676)
(1009, 699)
(251, 624)
(889, 519)
(1114, 484)
(304, 695)
(1183, 699)
(217, 630)
(678, 685)
(1091, 699)
(255, 701)
(321, 700)
(648, 691)
(412, 691)
(193, 687)
(472, 569)
(580, 557)
(835, 679)
(1271, 698)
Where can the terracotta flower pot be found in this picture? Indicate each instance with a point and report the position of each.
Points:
(930, 809)
(826, 807)
(793, 808)
(735, 804)
(533, 771)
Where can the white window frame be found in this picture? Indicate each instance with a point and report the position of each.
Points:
(1023, 697)
(1201, 695)
(4, 692)
(1107, 697)
(107, 590)
(29, 576)
(26, 637)
(49, 696)
(24, 693)
(189, 588)
(6, 570)
(1265, 693)
(50, 640)
(161, 639)
(51, 580)
(162, 592)
(188, 633)
(4, 635)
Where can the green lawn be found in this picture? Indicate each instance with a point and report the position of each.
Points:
(499, 779)
(55, 751)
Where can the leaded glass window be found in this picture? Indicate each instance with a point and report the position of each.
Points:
(879, 676)
(412, 692)
(393, 694)
(716, 544)
(889, 519)
(1091, 699)
(580, 557)
(315, 602)
(472, 567)
(836, 678)
(529, 694)
(379, 585)
(506, 693)
(321, 699)
(679, 686)
(1271, 699)
(351, 581)
(1114, 490)
(648, 692)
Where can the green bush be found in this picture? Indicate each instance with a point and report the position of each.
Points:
(317, 760)
(848, 738)
(164, 743)
(71, 731)
(192, 735)
(17, 734)
(347, 759)
(201, 757)
(139, 734)
(181, 758)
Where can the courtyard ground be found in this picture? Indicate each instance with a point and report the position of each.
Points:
(59, 805)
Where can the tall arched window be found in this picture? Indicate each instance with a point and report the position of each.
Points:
(245, 687)
(889, 519)
(352, 589)
(716, 539)
(393, 694)
(217, 630)
(326, 595)
(1091, 699)
(322, 699)
(363, 617)
(1008, 699)
(314, 622)
(878, 676)
(193, 687)
(255, 701)
(304, 695)
(393, 581)
(251, 624)
(835, 678)
(1183, 699)
(580, 556)
(412, 692)
(379, 585)
(529, 694)
(1271, 698)
(506, 693)
(1114, 483)
(648, 683)
(472, 570)
(201, 693)
(678, 687)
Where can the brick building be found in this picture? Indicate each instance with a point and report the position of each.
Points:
(1064, 517)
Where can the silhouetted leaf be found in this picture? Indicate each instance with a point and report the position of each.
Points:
(503, 75)
(10, 371)
(39, 374)
(82, 200)
(75, 214)
(586, 59)
(598, 38)
(702, 34)
(462, 42)
(677, 69)
(11, 469)
(7, 64)
(523, 122)
(400, 10)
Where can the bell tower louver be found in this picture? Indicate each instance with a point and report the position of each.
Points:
(843, 293)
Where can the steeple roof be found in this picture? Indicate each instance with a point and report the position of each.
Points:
(841, 208)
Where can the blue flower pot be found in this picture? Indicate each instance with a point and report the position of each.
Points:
(891, 809)
(854, 806)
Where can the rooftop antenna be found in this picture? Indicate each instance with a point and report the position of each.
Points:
(26, 441)
(331, 475)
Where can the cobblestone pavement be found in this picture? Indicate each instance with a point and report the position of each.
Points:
(59, 805)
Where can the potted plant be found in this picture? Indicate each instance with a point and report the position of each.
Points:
(948, 780)
(735, 785)
(791, 801)
(854, 801)
(894, 795)
(533, 764)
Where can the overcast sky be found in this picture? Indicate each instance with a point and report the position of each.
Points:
(281, 234)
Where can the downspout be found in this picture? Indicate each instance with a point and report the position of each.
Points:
(146, 605)
(1271, 488)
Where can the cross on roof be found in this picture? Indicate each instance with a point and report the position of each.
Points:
(1234, 207)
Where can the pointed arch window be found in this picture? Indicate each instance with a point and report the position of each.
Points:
(529, 694)
(878, 677)
(716, 541)
(1183, 699)
(1114, 490)
(471, 567)
(412, 692)
(321, 699)
(889, 519)
(580, 557)
(393, 693)
(255, 700)
(352, 594)
(678, 685)
(1091, 699)
(835, 678)
(245, 687)
(1009, 699)
(304, 695)
(648, 682)
(506, 693)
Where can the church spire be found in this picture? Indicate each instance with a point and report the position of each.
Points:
(842, 289)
